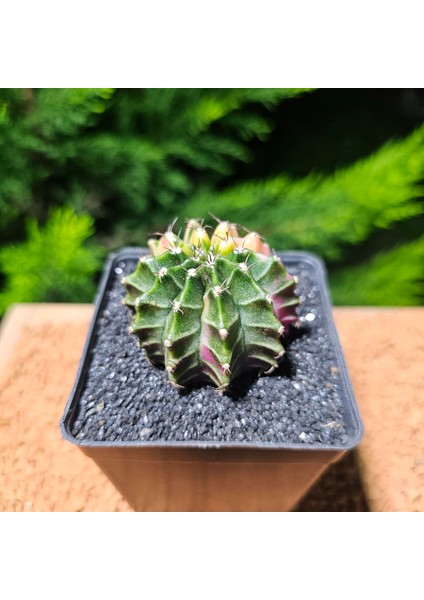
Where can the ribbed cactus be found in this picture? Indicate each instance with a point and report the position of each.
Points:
(211, 308)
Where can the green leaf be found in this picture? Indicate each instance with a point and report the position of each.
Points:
(57, 112)
(391, 278)
(54, 264)
(324, 214)
(216, 104)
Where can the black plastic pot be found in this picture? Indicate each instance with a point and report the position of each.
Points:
(195, 475)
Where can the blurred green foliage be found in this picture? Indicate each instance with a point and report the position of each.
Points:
(325, 213)
(337, 172)
(52, 265)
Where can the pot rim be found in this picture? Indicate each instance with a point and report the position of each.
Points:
(351, 413)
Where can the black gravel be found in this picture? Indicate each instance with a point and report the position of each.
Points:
(126, 399)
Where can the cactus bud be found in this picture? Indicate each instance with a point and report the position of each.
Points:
(253, 241)
(224, 232)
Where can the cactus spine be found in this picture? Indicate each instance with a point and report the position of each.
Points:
(211, 308)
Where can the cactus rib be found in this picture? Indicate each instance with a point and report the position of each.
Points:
(210, 309)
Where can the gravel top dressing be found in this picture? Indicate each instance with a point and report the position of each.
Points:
(126, 399)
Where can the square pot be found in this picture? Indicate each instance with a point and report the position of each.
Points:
(260, 451)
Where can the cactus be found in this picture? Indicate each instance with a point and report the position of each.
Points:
(211, 308)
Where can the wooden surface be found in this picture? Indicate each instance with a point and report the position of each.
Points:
(40, 348)
(384, 349)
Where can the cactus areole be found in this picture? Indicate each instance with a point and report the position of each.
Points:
(210, 308)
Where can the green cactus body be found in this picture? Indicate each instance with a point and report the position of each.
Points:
(211, 309)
